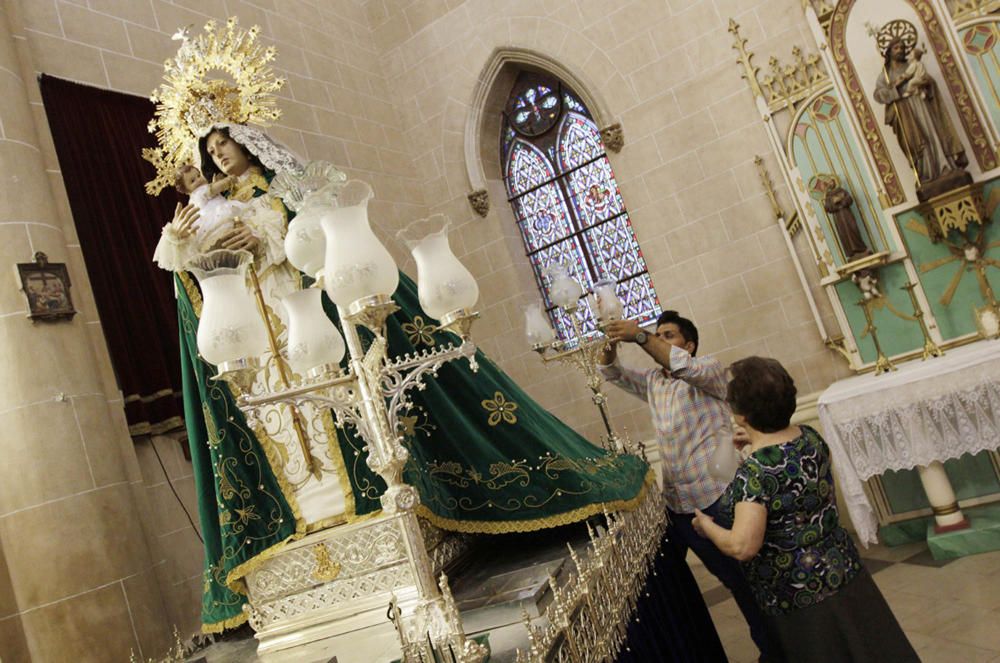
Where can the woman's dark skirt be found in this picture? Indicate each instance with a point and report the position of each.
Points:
(671, 621)
(855, 624)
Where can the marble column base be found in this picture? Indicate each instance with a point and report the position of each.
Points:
(982, 536)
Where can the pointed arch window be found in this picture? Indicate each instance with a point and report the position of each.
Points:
(566, 201)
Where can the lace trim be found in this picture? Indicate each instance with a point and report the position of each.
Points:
(273, 155)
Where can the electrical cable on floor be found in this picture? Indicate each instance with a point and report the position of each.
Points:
(171, 484)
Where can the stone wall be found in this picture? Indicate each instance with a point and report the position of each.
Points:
(666, 71)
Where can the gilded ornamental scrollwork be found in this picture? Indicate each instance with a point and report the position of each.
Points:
(962, 10)
(785, 84)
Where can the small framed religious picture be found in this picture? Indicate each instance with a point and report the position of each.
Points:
(46, 285)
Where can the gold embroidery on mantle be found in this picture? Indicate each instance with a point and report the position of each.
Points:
(535, 524)
(500, 409)
(505, 473)
(419, 332)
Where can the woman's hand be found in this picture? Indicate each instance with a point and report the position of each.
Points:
(184, 218)
(240, 237)
(699, 522)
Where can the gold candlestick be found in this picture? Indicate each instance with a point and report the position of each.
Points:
(931, 348)
(882, 363)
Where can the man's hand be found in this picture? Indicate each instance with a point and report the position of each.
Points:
(184, 218)
(699, 522)
(622, 330)
(240, 237)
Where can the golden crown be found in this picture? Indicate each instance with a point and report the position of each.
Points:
(189, 103)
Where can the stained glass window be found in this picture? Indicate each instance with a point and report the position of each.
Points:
(566, 200)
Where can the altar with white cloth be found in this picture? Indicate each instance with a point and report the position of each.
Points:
(918, 416)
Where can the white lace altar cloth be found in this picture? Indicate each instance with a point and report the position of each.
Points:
(926, 411)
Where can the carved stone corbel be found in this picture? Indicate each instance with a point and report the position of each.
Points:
(613, 137)
(480, 201)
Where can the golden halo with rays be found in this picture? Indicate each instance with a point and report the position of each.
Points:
(896, 29)
(189, 102)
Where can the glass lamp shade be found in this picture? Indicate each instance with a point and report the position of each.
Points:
(305, 242)
(230, 327)
(536, 325)
(444, 285)
(609, 307)
(356, 265)
(564, 290)
(313, 340)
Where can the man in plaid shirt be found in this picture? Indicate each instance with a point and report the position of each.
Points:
(687, 399)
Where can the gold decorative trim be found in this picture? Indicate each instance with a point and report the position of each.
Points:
(945, 510)
(823, 9)
(232, 622)
(792, 224)
(745, 58)
(968, 9)
(339, 465)
(535, 524)
(326, 569)
(786, 84)
(955, 210)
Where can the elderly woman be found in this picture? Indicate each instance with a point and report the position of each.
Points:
(782, 523)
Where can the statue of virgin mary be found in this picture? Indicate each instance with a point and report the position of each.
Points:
(484, 456)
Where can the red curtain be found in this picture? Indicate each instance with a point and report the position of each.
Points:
(98, 137)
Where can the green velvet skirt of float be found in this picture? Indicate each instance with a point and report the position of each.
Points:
(484, 456)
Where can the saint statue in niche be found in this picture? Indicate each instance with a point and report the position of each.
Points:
(916, 113)
(837, 201)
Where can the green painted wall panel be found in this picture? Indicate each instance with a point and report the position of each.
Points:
(896, 334)
(956, 318)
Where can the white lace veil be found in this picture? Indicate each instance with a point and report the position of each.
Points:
(273, 155)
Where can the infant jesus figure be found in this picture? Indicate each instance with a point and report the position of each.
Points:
(919, 82)
(215, 219)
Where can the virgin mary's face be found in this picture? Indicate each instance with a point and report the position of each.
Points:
(228, 155)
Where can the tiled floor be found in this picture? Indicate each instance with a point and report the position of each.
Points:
(950, 609)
